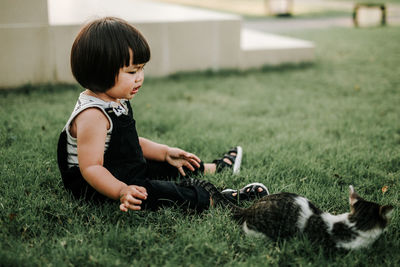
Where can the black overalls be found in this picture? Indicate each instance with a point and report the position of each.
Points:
(124, 159)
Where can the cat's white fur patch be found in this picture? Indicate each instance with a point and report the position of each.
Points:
(363, 239)
(330, 220)
(251, 232)
(305, 212)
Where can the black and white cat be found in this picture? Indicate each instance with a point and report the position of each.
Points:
(284, 215)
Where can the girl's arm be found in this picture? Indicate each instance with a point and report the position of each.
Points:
(152, 150)
(91, 131)
(174, 156)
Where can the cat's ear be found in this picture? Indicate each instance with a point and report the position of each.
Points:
(353, 196)
(386, 211)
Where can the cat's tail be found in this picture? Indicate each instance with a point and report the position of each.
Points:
(218, 199)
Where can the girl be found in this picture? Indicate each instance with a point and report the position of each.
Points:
(100, 155)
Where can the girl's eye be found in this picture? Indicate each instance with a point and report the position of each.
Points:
(136, 70)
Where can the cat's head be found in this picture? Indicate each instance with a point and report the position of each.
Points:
(368, 215)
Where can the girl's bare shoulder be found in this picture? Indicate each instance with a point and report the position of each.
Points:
(90, 118)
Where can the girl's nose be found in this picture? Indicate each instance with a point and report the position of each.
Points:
(139, 76)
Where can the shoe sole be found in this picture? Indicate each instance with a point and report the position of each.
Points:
(238, 161)
(256, 184)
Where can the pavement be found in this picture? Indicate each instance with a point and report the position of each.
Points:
(261, 22)
(279, 25)
(262, 7)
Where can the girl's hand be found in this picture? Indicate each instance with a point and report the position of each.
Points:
(180, 158)
(130, 197)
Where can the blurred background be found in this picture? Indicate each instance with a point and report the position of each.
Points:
(184, 35)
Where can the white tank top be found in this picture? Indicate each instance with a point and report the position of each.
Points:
(84, 102)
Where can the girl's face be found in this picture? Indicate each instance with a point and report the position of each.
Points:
(127, 83)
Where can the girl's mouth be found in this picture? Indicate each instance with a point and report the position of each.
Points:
(135, 90)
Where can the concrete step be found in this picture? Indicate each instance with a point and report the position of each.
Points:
(181, 38)
(260, 48)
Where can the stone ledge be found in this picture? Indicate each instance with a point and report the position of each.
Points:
(181, 39)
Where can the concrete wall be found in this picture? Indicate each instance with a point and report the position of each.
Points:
(175, 46)
(23, 12)
(25, 50)
(37, 35)
(259, 49)
(25, 55)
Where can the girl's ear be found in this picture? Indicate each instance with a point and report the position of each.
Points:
(353, 196)
(386, 211)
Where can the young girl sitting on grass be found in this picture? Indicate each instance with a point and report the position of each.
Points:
(100, 155)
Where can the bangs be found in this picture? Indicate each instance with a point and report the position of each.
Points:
(141, 51)
(130, 38)
(121, 38)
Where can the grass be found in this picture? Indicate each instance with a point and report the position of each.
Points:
(309, 129)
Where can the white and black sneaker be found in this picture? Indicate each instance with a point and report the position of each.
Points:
(249, 192)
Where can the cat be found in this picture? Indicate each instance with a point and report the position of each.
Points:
(284, 215)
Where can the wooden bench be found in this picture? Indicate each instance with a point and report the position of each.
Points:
(357, 7)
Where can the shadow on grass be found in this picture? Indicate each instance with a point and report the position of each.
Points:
(235, 72)
(27, 89)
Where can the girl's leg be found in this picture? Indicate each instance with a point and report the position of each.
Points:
(163, 192)
(210, 168)
(167, 194)
(164, 171)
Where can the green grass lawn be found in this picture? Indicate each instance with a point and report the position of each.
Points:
(310, 129)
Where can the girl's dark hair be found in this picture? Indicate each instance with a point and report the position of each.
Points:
(102, 48)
